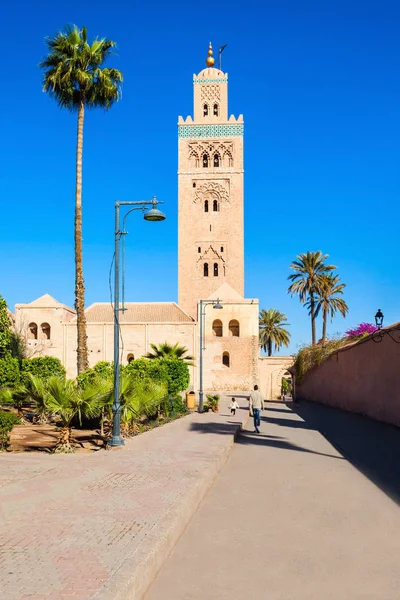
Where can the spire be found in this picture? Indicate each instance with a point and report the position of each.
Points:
(210, 60)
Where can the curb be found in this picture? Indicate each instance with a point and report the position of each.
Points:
(132, 580)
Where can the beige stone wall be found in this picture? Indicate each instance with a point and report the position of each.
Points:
(271, 370)
(241, 375)
(136, 337)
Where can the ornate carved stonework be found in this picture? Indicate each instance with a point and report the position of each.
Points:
(197, 150)
(211, 190)
(210, 93)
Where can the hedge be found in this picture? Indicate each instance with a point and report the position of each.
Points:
(7, 422)
(102, 369)
(174, 372)
(9, 371)
(42, 366)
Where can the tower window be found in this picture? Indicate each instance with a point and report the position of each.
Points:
(215, 269)
(234, 328)
(45, 327)
(222, 248)
(215, 205)
(216, 110)
(205, 160)
(216, 160)
(194, 184)
(205, 110)
(32, 331)
(217, 328)
(205, 205)
(225, 359)
(205, 269)
(199, 249)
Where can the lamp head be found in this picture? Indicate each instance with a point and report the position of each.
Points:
(218, 304)
(154, 214)
(379, 319)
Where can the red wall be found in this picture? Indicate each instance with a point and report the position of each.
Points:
(363, 378)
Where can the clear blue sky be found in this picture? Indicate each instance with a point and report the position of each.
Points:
(319, 86)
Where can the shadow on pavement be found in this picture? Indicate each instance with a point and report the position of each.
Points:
(372, 447)
(246, 437)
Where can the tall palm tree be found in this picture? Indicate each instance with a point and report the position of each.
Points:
(175, 352)
(309, 271)
(272, 330)
(328, 301)
(74, 78)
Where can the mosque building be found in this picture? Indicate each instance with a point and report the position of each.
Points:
(210, 268)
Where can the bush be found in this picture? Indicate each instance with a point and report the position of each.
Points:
(9, 371)
(103, 369)
(143, 368)
(43, 367)
(311, 356)
(7, 422)
(178, 376)
(173, 407)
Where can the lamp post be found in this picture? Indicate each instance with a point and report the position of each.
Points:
(379, 319)
(203, 303)
(152, 214)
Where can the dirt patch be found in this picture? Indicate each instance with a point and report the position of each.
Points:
(43, 438)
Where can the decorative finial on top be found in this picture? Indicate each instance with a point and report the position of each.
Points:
(210, 60)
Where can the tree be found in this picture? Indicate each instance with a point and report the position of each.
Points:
(166, 351)
(328, 301)
(272, 330)
(74, 78)
(5, 328)
(307, 279)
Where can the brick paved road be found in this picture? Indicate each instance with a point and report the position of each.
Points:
(288, 519)
(92, 525)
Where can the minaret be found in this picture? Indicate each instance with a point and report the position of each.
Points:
(210, 193)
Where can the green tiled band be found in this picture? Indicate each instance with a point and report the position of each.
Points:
(206, 131)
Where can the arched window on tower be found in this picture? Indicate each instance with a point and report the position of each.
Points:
(32, 331)
(216, 110)
(130, 358)
(225, 359)
(205, 160)
(215, 205)
(216, 160)
(215, 269)
(205, 269)
(205, 110)
(234, 328)
(205, 205)
(45, 327)
(217, 328)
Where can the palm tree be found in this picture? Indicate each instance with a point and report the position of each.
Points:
(166, 351)
(74, 78)
(328, 301)
(309, 271)
(272, 323)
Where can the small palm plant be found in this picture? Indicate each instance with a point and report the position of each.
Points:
(272, 324)
(167, 351)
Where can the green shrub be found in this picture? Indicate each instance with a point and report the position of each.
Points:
(7, 422)
(103, 369)
(213, 402)
(178, 376)
(173, 407)
(9, 371)
(143, 368)
(43, 367)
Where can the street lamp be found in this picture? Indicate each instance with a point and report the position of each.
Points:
(153, 214)
(203, 303)
(379, 319)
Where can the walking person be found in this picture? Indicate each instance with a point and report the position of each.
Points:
(233, 406)
(256, 405)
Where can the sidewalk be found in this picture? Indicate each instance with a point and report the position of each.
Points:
(288, 519)
(99, 526)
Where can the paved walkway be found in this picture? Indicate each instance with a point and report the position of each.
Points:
(288, 519)
(98, 526)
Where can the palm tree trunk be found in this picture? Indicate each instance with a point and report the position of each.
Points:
(313, 331)
(82, 351)
(269, 347)
(324, 316)
(64, 442)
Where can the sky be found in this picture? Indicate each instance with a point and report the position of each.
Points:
(318, 84)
